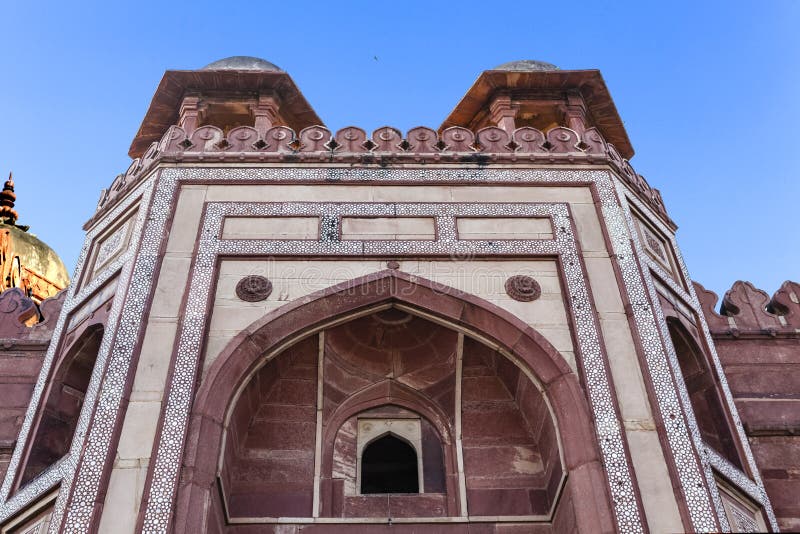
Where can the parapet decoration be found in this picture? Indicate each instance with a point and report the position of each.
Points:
(747, 310)
(22, 320)
(386, 146)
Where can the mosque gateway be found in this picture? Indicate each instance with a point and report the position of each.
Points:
(485, 327)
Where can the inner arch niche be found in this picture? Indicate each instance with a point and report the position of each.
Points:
(390, 372)
(483, 424)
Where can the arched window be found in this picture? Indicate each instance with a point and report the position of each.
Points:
(702, 388)
(64, 402)
(389, 465)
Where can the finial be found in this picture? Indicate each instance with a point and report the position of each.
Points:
(7, 197)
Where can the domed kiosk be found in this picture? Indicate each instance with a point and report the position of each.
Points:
(234, 92)
(527, 93)
(26, 261)
(243, 63)
(526, 65)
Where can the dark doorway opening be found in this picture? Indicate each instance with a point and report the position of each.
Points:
(389, 465)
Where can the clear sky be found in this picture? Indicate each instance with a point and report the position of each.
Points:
(708, 92)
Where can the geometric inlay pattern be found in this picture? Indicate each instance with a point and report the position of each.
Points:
(166, 464)
(710, 458)
(101, 412)
(111, 370)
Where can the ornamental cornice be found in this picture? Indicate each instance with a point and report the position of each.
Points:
(386, 147)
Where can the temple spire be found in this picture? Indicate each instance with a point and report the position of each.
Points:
(7, 197)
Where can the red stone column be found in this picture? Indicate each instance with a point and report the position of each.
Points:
(575, 113)
(265, 112)
(190, 109)
(503, 113)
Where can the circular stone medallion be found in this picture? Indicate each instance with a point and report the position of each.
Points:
(253, 288)
(523, 288)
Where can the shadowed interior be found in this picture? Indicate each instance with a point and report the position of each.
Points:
(389, 366)
(389, 465)
(703, 393)
(63, 406)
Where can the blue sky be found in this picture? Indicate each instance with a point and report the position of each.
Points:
(708, 92)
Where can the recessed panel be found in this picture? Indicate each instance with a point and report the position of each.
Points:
(271, 228)
(491, 228)
(389, 228)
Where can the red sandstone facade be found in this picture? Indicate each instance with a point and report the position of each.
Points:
(485, 328)
(758, 340)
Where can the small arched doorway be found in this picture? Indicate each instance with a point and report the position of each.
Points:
(389, 465)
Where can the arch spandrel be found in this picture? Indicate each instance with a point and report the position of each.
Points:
(301, 317)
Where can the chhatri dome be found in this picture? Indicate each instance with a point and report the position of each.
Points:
(526, 65)
(258, 64)
(243, 63)
(26, 261)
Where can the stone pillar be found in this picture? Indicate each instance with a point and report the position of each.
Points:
(503, 114)
(575, 112)
(190, 109)
(265, 112)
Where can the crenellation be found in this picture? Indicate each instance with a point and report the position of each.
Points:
(758, 342)
(747, 310)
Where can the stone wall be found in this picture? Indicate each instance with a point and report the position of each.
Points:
(22, 349)
(758, 342)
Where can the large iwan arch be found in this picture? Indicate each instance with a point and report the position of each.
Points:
(501, 370)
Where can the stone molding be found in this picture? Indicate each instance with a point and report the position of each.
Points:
(317, 144)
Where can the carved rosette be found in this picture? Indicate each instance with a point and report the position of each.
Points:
(523, 288)
(253, 288)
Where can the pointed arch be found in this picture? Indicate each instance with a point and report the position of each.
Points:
(301, 318)
(58, 416)
(399, 475)
(386, 392)
(702, 385)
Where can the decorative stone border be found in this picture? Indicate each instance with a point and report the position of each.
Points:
(111, 369)
(318, 145)
(84, 486)
(709, 458)
(166, 463)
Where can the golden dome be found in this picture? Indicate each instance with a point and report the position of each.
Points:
(26, 261)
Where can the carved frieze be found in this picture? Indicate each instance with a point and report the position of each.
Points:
(353, 144)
